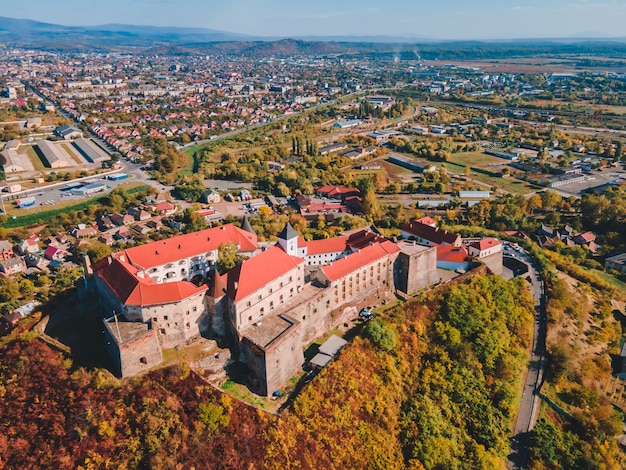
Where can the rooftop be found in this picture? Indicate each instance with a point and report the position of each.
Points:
(367, 255)
(254, 273)
(264, 332)
(189, 245)
(124, 331)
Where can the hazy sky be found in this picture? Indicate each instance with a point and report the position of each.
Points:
(441, 19)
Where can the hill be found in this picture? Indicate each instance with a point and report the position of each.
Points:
(37, 33)
(430, 384)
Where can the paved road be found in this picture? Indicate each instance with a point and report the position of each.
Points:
(529, 407)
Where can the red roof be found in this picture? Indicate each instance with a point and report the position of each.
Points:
(337, 191)
(189, 245)
(326, 245)
(122, 278)
(363, 238)
(486, 243)
(427, 221)
(164, 206)
(156, 294)
(354, 261)
(453, 254)
(587, 237)
(254, 273)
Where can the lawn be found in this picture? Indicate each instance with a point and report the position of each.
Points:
(476, 159)
(610, 279)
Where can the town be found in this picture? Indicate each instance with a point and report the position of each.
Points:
(255, 218)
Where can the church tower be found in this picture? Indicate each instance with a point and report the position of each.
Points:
(288, 240)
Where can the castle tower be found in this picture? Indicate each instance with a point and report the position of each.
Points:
(245, 225)
(288, 240)
(217, 304)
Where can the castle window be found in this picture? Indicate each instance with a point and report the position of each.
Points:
(250, 318)
(303, 317)
(165, 318)
(195, 309)
(188, 325)
(143, 360)
(249, 304)
(162, 331)
(260, 297)
(281, 299)
(290, 278)
(154, 318)
(272, 304)
(281, 284)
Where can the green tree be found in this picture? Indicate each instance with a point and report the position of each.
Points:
(382, 334)
(226, 257)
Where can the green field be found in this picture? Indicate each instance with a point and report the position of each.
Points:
(476, 159)
(486, 169)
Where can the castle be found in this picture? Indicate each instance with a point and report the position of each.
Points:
(270, 305)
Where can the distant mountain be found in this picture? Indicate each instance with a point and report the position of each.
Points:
(37, 34)
(191, 41)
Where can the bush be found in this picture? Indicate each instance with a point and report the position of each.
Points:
(382, 335)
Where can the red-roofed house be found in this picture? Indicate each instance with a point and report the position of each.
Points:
(337, 192)
(584, 238)
(484, 247)
(55, 253)
(165, 208)
(29, 245)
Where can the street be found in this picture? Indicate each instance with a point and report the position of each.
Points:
(529, 406)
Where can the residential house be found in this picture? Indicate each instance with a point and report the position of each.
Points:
(55, 253)
(29, 245)
(165, 208)
(12, 266)
(6, 250)
(106, 238)
(83, 231)
(119, 219)
(484, 247)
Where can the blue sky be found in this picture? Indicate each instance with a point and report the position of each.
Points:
(441, 19)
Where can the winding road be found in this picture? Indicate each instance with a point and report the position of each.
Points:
(529, 406)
